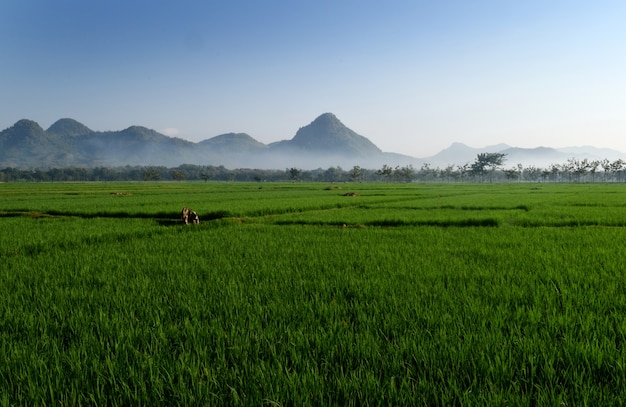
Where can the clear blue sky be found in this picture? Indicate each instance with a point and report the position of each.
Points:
(412, 76)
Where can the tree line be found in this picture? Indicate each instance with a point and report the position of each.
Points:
(190, 172)
(487, 167)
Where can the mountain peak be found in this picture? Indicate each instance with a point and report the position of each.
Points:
(144, 133)
(327, 133)
(458, 146)
(328, 122)
(326, 117)
(28, 125)
(69, 127)
(233, 143)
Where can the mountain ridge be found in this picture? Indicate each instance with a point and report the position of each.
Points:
(325, 142)
(459, 153)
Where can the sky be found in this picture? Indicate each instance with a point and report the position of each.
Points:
(412, 76)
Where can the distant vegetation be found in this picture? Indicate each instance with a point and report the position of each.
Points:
(487, 167)
(301, 294)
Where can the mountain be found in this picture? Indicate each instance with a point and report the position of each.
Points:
(232, 143)
(327, 134)
(135, 145)
(459, 153)
(27, 143)
(593, 153)
(542, 157)
(233, 150)
(68, 128)
(325, 142)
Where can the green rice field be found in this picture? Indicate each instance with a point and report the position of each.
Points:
(294, 294)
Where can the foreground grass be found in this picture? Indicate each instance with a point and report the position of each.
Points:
(333, 300)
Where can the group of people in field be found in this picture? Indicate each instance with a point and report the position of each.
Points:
(188, 216)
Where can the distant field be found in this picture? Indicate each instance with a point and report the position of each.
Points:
(294, 294)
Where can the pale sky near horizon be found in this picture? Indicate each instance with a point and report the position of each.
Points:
(412, 76)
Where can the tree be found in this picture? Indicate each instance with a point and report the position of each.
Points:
(617, 167)
(555, 169)
(333, 174)
(532, 173)
(580, 167)
(487, 162)
(294, 173)
(405, 173)
(179, 175)
(151, 174)
(593, 169)
(447, 173)
(606, 169)
(386, 171)
(356, 174)
(463, 170)
(511, 173)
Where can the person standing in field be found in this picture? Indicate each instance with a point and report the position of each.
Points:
(184, 215)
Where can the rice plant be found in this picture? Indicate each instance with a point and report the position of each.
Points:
(298, 295)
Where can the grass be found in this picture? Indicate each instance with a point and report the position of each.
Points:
(297, 295)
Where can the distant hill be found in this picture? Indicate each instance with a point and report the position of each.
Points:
(233, 143)
(26, 144)
(539, 156)
(233, 150)
(459, 153)
(327, 134)
(325, 142)
(135, 145)
(68, 128)
(542, 157)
